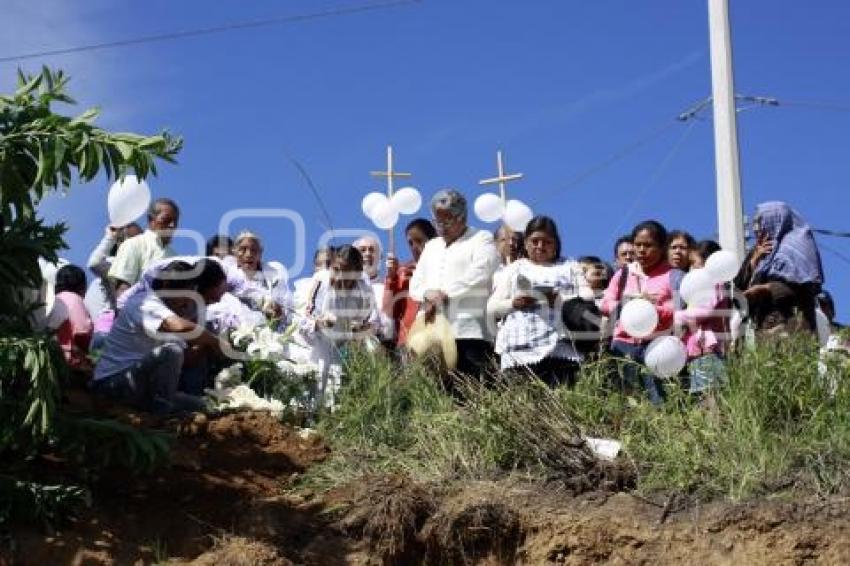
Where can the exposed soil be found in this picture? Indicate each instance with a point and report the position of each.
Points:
(223, 502)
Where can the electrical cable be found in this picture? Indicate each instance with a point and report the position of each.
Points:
(614, 157)
(368, 7)
(656, 175)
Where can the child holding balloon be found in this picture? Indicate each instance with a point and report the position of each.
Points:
(649, 283)
(705, 327)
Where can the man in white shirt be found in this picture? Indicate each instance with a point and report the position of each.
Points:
(454, 275)
(143, 356)
(137, 253)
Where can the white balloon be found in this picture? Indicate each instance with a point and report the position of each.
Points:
(697, 288)
(385, 216)
(665, 356)
(488, 207)
(639, 318)
(824, 328)
(371, 202)
(517, 215)
(407, 200)
(723, 265)
(127, 200)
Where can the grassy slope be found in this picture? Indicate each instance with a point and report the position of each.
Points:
(777, 424)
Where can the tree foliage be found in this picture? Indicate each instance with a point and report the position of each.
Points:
(42, 151)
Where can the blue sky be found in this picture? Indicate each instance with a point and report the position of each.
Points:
(560, 86)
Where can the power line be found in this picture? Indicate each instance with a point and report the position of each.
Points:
(615, 157)
(831, 233)
(834, 252)
(656, 175)
(342, 11)
(816, 105)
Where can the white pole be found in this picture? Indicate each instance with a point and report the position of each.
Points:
(729, 208)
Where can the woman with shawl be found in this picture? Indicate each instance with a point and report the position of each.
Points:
(782, 275)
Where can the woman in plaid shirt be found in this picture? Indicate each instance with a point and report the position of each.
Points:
(527, 300)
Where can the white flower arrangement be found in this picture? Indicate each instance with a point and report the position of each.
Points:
(269, 363)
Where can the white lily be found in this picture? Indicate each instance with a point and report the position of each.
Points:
(267, 345)
(229, 376)
(242, 332)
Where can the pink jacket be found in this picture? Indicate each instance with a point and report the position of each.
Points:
(655, 283)
(705, 327)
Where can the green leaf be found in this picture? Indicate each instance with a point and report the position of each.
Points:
(30, 85)
(59, 151)
(125, 149)
(86, 117)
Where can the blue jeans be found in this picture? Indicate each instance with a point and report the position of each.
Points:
(706, 372)
(633, 373)
(151, 383)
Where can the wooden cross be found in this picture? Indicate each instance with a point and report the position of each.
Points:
(502, 179)
(390, 174)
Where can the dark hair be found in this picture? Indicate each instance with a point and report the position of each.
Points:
(590, 259)
(423, 225)
(122, 237)
(544, 224)
(622, 240)
(596, 261)
(211, 274)
(217, 241)
(70, 278)
(160, 201)
(705, 248)
(350, 256)
(329, 250)
(171, 277)
(676, 234)
(656, 230)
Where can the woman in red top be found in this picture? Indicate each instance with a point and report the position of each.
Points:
(397, 301)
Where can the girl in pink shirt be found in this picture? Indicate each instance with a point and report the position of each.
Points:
(649, 277)
(705, 329)
(71, 318)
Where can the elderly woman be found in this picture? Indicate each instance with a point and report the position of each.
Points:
(782, 275)
(510, 245)
(528, 300)
(454, 275)
(266, 284)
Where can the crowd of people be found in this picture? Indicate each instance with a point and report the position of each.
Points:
(513, 301)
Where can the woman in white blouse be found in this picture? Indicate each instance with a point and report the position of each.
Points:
(265, 294)
(528, 302)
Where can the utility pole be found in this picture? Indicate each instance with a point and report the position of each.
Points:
(727, 167)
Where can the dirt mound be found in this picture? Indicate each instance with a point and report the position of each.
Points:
(517, 523)
(239, 551)
(471, 532)
(224, 501)
(221, 468)
(388, 512)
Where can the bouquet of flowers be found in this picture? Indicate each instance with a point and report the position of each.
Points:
(268, 378)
